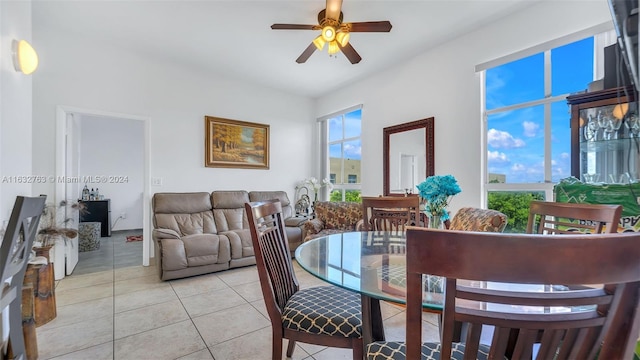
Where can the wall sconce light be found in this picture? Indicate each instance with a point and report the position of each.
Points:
(25, 58)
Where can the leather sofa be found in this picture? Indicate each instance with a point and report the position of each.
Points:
(198, 232)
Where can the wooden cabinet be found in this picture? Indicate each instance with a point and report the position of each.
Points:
(605, 136)
(98, 211)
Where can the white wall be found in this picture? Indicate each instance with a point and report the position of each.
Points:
(87, 74)
(15, 107)
(443, 83)
(112, 149)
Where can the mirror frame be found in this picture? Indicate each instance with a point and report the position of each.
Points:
(426, 124)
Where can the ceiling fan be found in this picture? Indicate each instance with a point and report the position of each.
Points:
(335, 33)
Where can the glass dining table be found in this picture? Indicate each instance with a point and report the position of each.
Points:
(373, 264)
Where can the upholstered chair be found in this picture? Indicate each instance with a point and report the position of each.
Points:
(476, 219)
(332, 218)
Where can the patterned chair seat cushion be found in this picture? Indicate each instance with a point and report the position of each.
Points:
(475, 219)
(395, 350)
(328, 310)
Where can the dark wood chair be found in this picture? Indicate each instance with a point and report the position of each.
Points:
(324, 315)
(564, 218)
(14, 256)
(600, 321)
(390, 213)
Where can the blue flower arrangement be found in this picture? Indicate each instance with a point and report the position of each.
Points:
(437, 191)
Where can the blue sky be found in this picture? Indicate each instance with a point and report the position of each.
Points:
(516, 138)
(352, 128)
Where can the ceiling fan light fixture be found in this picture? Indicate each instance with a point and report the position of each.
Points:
(343, 38)
(333, 48)
(620, 110)
(328, 33)
(319, 42)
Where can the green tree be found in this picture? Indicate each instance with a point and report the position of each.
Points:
(514, 204)
(349, 195)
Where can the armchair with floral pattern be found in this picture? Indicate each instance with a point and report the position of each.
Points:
(333, 217)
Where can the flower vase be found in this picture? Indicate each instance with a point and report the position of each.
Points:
(435, 222)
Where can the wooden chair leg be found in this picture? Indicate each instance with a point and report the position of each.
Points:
(276, 353)
(358, 349)
(16, 337)
(290, 348)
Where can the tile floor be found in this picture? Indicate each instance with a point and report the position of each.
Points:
(128, 313)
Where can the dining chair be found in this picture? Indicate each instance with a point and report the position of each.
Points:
(476, 219)
(390, 213)
(15, 250)
(583, 323)
(323, 315)
(547, 217)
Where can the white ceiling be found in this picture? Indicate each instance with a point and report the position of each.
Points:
(235, 38)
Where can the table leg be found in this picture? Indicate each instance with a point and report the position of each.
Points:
(372, 326)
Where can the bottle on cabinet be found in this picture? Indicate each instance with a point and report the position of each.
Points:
(85, 193)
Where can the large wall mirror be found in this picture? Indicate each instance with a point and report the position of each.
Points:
(408, 151)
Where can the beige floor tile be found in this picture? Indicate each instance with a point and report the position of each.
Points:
(261, 307)
(197, 285)
(214, 301)
(389, 309)
(138, 299)
(71, 338)
(75, 313)
(249, 292)
(139, 284)
(253, 346)
(167, 342)
(198, 355)
(78, 295)
(394, 329)
(331, 353)
(80, 281)
(147, 318)
(227, 324)
(136, 271)
(98, 352)
(239, 276)
(311, 348)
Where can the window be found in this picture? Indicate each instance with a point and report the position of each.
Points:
(527, 137)
(342, 153)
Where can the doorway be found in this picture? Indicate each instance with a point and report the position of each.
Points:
(68, 159)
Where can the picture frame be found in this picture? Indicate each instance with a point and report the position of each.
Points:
(236, 144)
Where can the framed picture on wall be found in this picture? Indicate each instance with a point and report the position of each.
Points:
(236, 144)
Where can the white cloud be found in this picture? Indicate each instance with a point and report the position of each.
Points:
(518, 167)
(530, 128)
(502, 139)
(351, 150)
(496, 157)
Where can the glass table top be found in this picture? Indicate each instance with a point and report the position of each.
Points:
(373, 264)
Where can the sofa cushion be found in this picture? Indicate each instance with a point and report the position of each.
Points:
(205, 249)
(229, 199)
(240, 242)
(184, 213)
(181, 203)
(287, 209)
(342, 215)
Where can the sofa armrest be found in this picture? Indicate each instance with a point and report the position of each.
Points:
(159, 234)
(313, 226)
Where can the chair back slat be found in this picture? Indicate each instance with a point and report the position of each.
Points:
(565, 218)
(273, 260)
(15, 250)
(390, 213)
(579, 322)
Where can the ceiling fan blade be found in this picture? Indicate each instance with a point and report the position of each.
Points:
(294, 27)
(370, 26)
(350, 53)
(306, 54)
(333, 9)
